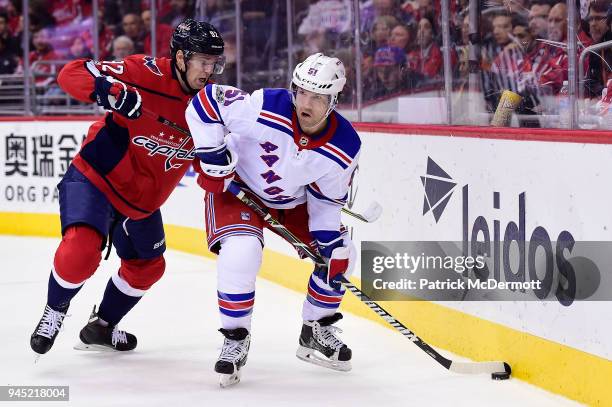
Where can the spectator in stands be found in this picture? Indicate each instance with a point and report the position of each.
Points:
(179, 10)
(389, 68)
(8, 59)
(600, 63)
(378, 38)
(44, 73)
(538, 18)
(557, 23)
(501, 31)
(556, 54)
(10, 43)
(133, 28)
(380, 34)
(402, 37)
(519, 67)
(122, 47)
(426, 59)
(163, 35)
(79, 49)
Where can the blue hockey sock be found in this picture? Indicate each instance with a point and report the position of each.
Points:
(115, 304)
(59, 293)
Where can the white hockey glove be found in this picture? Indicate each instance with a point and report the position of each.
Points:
(340, 263)
(215, 177)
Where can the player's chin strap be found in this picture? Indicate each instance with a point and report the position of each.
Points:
(492, 368)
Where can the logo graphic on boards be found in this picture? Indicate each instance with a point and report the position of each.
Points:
(438, 187)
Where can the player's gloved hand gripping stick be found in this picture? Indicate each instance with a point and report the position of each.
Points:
(112, 94)
(498, 370)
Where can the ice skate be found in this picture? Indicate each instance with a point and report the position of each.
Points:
(233, 355)
(96, 336)
(46, 331)
(319, 344)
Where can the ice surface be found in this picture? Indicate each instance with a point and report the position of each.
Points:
(176, 324)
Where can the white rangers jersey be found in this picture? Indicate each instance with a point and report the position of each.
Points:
(280, 164)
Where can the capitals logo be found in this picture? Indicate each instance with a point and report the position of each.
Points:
(150, 63)
(173, 153)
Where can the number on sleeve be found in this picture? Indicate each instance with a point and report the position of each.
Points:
(116, 67)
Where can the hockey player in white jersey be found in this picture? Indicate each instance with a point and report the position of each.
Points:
(292, 152)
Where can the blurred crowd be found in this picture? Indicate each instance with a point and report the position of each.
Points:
(523, 46)
(63, 29)
(523, 43)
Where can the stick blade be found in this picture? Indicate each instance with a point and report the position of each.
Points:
(479, 367)
(373, 212)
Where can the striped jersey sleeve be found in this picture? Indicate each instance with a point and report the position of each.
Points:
(215, 111)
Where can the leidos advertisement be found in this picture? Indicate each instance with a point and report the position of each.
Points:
(517, 232)
(492, 262)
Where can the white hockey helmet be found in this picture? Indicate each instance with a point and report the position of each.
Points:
(320, 74)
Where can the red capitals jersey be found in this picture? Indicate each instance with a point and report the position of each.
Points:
(135, 163)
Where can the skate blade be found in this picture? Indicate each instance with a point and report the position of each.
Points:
(91, 347)
(227, 380)
(312, 356)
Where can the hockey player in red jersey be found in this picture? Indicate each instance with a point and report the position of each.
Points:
(127, 167)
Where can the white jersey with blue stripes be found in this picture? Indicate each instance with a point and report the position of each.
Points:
(276, 161)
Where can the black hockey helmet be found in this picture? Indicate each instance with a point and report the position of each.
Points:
(192, 36)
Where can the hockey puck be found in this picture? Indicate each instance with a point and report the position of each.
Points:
(502, 375)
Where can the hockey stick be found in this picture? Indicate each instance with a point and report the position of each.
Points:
(498, 370)
(372, 213)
